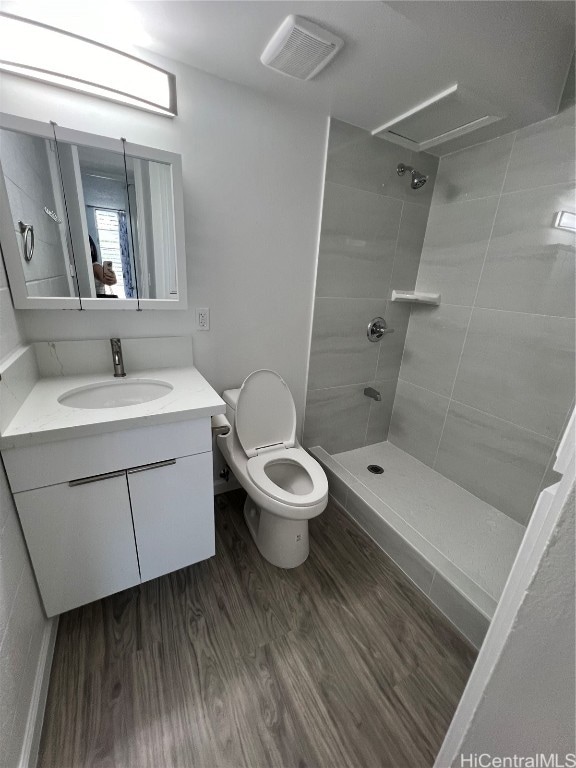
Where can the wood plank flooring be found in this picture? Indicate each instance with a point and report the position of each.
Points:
(233, 663)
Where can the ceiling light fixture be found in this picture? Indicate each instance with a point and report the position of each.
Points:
(39, 52)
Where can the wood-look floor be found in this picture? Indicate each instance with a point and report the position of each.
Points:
(233, 663)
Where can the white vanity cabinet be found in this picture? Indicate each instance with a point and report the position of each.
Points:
(170, 502)
(105, 512)
(81, 541)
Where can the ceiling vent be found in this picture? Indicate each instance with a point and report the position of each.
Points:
(300, 48)
(446, 115)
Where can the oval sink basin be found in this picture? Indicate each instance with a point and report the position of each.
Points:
(115, 394)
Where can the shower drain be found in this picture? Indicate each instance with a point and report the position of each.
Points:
(375, 469)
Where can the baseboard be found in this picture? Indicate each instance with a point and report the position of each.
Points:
(31, 745)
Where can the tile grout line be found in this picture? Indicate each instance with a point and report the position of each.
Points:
(388, 288)
(479, 410)
(506, 194)
(415, 284)
(474, 301)
(509, 311)
(367, 423)
(368, 191)
(354, 384)
(315, 282)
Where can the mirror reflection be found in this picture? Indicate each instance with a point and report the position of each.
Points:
(152, 218)
(30, 168)
(105, 197)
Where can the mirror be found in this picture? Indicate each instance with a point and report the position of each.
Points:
(151, 200)
(36, 214)
(105, 192)
(96, 193)
(117, 210)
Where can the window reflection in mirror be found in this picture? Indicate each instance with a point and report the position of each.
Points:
(30, 169)
(105, 236)
(152, 217)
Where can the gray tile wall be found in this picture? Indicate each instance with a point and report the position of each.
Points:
(29, 186)
(373, 228)
(487, 378)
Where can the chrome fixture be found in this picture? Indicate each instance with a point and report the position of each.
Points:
(117, 359)
(53, 215)
(27, 232)
(373, 393)
(418, 179)
(377, 328)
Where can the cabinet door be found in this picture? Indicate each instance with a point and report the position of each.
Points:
(81, 540)
(173, 510)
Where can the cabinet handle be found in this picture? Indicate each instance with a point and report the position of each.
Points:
(96, 478)
(154, 465)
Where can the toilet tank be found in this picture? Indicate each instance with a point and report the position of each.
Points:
(230, 397)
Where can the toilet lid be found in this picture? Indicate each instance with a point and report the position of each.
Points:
(265, 413)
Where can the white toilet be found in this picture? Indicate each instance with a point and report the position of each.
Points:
(286, 486)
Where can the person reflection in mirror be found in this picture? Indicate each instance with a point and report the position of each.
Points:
(103, 274)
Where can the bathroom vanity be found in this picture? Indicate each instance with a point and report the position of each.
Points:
(109, 495)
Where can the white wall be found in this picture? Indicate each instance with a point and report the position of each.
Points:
(520, 697)
(253, 177)
(22, 620)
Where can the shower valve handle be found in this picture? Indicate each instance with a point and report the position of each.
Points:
(377, 328)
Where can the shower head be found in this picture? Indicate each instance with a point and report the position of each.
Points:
(418, 179)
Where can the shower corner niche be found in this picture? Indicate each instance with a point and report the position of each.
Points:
(101, 218)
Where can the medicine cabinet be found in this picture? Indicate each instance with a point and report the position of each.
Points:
(89, 222)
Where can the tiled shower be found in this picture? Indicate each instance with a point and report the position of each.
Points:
(487, 378)
(478, 388)
(373, 227)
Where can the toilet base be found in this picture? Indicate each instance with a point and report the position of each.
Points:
(281, 541)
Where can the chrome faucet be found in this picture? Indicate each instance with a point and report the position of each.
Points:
(117, 360)
(373, 393)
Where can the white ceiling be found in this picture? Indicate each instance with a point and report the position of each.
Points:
(513, 53)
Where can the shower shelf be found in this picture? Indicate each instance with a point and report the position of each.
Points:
(416, 297)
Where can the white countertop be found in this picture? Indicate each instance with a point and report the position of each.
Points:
(41, 418)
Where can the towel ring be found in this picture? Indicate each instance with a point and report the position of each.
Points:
(27, 232)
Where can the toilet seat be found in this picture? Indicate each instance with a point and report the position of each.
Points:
(256, 468)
